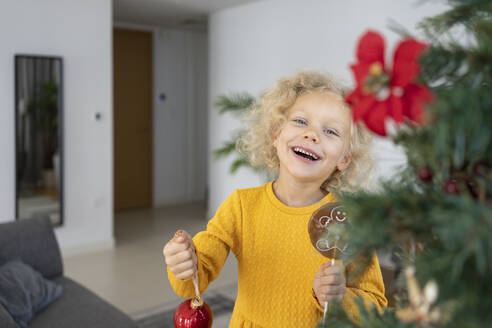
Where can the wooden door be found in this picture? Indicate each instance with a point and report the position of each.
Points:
(132, 73)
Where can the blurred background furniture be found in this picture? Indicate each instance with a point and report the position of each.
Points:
(33, 241)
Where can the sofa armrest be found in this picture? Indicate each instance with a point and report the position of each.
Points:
(6, 320)
(33, 241)
(78, 307)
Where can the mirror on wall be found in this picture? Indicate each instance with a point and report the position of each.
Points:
(39, 137)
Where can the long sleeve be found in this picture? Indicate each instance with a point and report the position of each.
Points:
(213, 245)
(369, 285)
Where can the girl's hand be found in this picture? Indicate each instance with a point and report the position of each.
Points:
(180, 255)
(329, 284)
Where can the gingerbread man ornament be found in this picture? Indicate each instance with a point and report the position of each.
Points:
(327, 228)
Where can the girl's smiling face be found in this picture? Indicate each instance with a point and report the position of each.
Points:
(313, 142)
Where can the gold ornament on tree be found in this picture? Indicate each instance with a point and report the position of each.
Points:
(420, 309)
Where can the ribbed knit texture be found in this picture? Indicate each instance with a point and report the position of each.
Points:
(277, 262)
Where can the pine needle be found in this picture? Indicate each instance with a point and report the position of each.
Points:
(236, 102)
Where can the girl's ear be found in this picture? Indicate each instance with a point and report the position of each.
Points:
(344, 163)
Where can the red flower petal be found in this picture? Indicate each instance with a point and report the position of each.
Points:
(375, 119)
(396, 108)
(360, 72)
(405, 62)
(354, 96)
(370, 48)
(415, 97)
(361, 104)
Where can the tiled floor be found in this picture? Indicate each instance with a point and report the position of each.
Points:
(132, 275)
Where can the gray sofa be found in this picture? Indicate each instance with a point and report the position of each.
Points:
(34, 242)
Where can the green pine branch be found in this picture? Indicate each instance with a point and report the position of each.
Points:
(236, 102)
(463, 12)
(238, 163)
(228, 148)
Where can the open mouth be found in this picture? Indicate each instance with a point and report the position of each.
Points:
(305, 154)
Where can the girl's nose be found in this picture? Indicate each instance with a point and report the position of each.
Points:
(310, 135)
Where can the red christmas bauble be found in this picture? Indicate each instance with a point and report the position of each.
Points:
(451, 187)
(193, 313)
(425, 174)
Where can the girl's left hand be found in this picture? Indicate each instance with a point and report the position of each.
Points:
(329, 284)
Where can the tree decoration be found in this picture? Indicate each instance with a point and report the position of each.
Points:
(327, 230)
(193, 313)
(451, 187)
(425, 174)
(381, 93)
(420, 309)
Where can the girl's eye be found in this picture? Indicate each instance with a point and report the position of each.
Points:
(300, 121)
(329, 131)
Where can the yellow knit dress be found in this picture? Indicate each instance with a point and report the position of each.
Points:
(276, 262)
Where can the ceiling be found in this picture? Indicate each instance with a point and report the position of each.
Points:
(182, 13)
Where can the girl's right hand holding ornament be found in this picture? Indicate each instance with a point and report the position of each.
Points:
(180, 255)
(329, 284)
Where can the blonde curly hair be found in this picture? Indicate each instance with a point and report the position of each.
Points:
(266, 118)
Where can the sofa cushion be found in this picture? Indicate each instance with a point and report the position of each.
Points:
(34, 242)
(24, 291)
(6, 320)
(80, 308)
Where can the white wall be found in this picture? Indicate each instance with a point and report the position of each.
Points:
(79, 32)
(180, 122)
(253, 45)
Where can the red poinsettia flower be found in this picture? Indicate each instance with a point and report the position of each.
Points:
(381, 93)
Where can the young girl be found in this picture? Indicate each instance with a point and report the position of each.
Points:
(302, 131)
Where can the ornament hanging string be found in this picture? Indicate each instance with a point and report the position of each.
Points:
(195, 283)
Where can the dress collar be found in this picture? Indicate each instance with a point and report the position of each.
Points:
(328, 198)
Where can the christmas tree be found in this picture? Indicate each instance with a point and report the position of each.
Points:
(437, 214)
